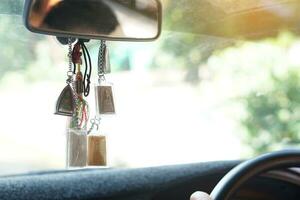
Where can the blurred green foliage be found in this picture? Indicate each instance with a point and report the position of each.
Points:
(190, 49)
(263, 81)
(14, 7)
(16, 53)
(273, 117)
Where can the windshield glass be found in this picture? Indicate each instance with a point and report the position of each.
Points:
(193, 95)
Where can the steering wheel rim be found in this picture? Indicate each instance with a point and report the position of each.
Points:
(228, 185)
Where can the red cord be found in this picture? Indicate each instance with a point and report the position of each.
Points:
(76, 54)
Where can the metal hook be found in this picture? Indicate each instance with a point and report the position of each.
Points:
(95, 123)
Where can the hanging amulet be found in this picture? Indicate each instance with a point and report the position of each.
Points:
(97, 150)
(65, 103)
(104, 100)
(77, 148)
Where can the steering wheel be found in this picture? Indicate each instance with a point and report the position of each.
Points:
(231, 182)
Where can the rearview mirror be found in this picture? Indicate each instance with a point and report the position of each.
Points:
(122, 20)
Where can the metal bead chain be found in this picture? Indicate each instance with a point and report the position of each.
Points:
(70, 54)
(70, 68)
(101, 60)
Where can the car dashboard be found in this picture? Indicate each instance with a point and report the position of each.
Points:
(156, 183)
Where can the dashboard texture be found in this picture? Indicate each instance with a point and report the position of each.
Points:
(157, 183)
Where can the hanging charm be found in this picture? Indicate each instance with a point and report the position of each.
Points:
(77, 148)
(103, 91)
(105, 100)
(65, 104)
(97, 154)
(97, 150)
(77, 134)
(81, 113)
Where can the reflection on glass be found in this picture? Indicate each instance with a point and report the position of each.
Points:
(109, 18)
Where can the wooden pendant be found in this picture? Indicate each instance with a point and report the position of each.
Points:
(65, 103)
(97, 151)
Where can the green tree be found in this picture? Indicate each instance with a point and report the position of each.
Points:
(273, 119)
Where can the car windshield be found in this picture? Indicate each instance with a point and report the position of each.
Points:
(201, 92)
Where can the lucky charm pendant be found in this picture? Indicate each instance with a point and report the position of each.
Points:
(97, 150)
(76, 148)
(97, 154)
(104, 99)
(81, 114)
(65, 104)
(103, 91)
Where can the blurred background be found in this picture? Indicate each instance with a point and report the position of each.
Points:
(184, 98)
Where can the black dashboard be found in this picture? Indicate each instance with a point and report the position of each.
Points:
(157, 183)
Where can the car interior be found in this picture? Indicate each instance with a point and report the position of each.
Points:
(149, 99)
